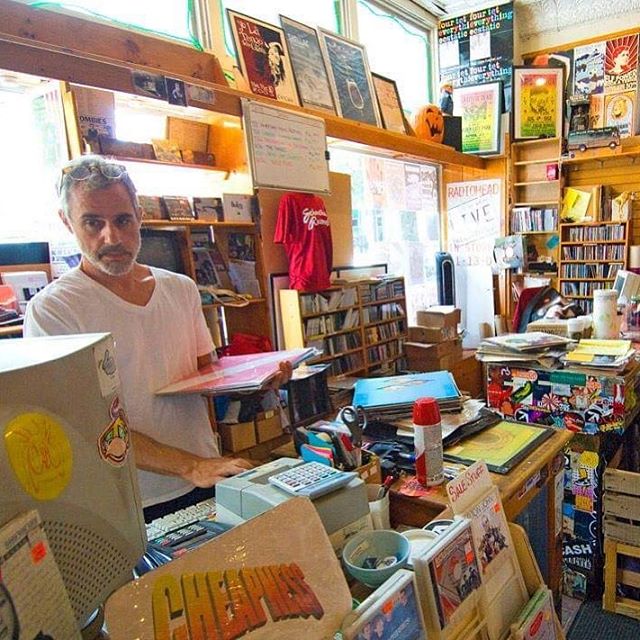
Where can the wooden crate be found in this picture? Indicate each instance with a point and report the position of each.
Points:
(622, 506)
(622, 538)
(613, 576)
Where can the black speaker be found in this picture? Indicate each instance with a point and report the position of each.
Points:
(453, 132)
(446, 278)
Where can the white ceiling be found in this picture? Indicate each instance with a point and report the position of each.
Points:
(539, 16)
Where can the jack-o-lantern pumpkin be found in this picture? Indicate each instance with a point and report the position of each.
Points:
(429, 123)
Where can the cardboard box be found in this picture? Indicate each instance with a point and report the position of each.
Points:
(236, 437)
(370, 471)
(268, 426)
(439, 317)
(432, 334)
(442, 356)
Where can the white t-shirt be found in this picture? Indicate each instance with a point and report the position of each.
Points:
(155, 345)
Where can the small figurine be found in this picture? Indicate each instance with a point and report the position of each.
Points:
(446, 98)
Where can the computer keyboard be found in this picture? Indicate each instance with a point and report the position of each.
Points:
(205, 510)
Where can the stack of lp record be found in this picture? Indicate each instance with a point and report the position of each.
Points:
(434, 344)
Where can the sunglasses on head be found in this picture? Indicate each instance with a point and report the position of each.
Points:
(81, 172)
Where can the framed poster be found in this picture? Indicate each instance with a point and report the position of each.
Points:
(263, 57)
(537, 102)
(389, 103)
(308, 64)
(350, 78)
(480, 107)
(478, 47)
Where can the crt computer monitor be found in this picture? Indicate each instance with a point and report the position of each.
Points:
(162, 248)
(65, 450)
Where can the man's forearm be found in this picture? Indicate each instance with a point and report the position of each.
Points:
(157, 457)
(152, 455)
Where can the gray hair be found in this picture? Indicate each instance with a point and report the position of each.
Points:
(94, 174)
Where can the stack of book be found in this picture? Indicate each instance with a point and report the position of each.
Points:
(610, 355)
(533, 347)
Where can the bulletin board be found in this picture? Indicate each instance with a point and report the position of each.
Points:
(286, 150)
(476, 48)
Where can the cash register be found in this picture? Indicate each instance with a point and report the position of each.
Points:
(339, 497)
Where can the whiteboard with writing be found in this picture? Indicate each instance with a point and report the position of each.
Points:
(286, 150)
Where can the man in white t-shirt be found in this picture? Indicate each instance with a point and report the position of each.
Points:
(156, 320)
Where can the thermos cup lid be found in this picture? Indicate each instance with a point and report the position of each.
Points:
(426, 411)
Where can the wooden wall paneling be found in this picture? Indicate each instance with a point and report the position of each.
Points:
(88, 36)
(227, 144)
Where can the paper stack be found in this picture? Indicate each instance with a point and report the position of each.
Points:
(544, 348)
(601, 354)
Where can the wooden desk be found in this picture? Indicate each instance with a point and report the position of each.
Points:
(543, 467)
(11, 331)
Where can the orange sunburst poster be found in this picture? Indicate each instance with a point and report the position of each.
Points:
(621, 64)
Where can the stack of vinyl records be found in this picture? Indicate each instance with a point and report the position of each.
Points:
(392, 398)
(524, 348)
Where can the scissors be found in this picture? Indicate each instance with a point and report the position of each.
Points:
(356, 420)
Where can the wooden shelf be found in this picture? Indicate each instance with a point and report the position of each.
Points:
(586, 279)
(592, 242)
(330, 334)
(401, 336)
(532, 182)
(594, 223)
(317, 314)
(178, 165)
(618, 261)
(536, 233)
(332, 356)
(519, 143)
(385, 301)
(535, 203)
(522, 163)
(198, 223)
(379, 322)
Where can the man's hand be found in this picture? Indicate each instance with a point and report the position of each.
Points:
(285, 371)
(207, 471)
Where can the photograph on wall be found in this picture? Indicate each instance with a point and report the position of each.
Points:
(480, 109)
(308, 65)
(477, 48)
(389, 103)
(263, 57)
(350, 78)
(537, 102)
(588, 69)
(621, 64)
(619, 109)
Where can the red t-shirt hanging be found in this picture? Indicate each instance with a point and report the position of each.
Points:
(303, 228)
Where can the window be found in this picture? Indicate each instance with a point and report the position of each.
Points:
(319, 13)
(398, 49)
(169, 18)
(395, 220)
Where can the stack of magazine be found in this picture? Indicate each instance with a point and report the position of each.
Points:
(610, 355)
(392, 397)
(536, 347)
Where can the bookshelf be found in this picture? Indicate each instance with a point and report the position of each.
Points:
(536, 187)
(360, 327)
(591, 253)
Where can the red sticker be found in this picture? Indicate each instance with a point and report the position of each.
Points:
(38, 552)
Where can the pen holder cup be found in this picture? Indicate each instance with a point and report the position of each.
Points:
(378, 507)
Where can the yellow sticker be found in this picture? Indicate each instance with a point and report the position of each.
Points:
(589, 459)
(40, 454)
